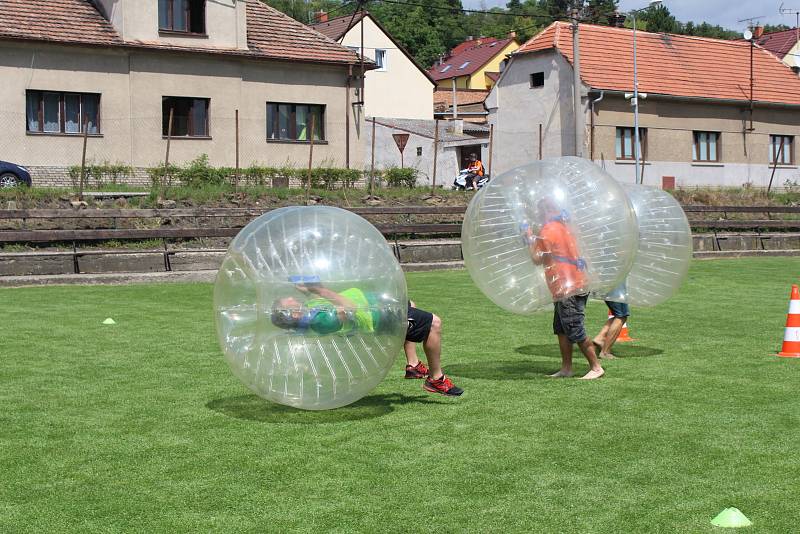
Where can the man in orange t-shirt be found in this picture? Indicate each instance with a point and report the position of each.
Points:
(556, 250)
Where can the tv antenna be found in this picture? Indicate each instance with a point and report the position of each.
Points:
(787, 11)
(751, 21)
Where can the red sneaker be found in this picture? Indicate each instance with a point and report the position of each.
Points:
(416, 371)
(442, 386)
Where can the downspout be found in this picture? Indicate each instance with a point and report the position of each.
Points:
(455, 99)
(591, 128)
(347, 118)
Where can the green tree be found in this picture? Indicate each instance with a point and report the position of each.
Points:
(601, 11)
(303, 10)
(660, 20)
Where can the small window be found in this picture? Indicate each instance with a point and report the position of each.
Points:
(419, 151)
(706, 146)
(185, 16)
(292, 122)
(781, 149)
(54, 112)
(537, 79)
(380, 59)
(626, 139)
(464, 65)
(189, 116)
(446, 68)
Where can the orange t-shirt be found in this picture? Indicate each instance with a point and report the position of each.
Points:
(562, 274)
(476, 167)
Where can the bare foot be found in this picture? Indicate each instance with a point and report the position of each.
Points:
(598, 346)
(561, 374)
(606, 356)
(591, 375)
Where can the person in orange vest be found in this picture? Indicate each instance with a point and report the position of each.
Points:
(556, 250)
(475, 170)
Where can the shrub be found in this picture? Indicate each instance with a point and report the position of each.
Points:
(401, 177)
(199, 173)
(101, 173)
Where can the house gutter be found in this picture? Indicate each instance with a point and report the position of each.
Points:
(703, 100)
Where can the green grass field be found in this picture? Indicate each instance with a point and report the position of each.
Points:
(141, 427)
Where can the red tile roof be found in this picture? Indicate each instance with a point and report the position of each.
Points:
(779, 43)
(676, 65)
(336, 28)
(461, 47)
(468, 61)
(270, 34)
(463, 96)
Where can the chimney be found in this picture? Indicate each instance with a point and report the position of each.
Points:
(512, 34)
(456, 126)
(470, 37)
(758, 31)
(617, 20)
(321, 16)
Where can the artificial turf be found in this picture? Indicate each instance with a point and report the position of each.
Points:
(141, 427)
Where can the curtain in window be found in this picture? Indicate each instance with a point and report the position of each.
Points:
(319, 124)
(712, 147)
(52, 112)
(302, 120)
(32, 111)
(91, 109)
(180, 10)
(283, 121)
(72, 113)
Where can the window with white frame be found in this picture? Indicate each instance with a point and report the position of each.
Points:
(626, 139)
(706, 147)
(381, 59)
(781, 149)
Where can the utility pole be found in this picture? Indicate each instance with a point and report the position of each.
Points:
(576, 82)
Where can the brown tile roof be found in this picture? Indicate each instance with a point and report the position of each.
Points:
(470, 43)
(336, 28)
(779, 43)
(463, 96)
(676, 65)
(468, 61)
(494, 76)
(270, 33)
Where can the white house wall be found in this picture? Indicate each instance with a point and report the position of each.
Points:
(402, 91)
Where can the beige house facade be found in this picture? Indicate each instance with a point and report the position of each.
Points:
(127, 74)
(398, 87)
(687, 139)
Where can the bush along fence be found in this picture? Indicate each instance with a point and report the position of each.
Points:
(199, 173)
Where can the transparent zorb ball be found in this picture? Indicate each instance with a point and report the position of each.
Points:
(547, 231)
(310, 306)
(663, 252)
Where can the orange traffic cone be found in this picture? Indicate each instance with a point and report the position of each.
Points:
(624, 335)
(791, 339)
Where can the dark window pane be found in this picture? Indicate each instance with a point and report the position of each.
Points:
(197, 16)
(179, 15)
(52, 112)
(33, 98)
(284, 112)
(72, 113)
(319, 123)
(163, 14)
(91, 111)
(272, 125)
(199, 114)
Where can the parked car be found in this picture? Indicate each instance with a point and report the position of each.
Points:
(12, 175)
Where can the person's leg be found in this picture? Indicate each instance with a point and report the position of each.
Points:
(573, 316)
(565, 347)
(611, 337)
(595, 370)
(564, 344)
(600, 338)
(414, 367)
(433, 349)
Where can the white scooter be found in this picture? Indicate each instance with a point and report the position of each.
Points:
(460, 182)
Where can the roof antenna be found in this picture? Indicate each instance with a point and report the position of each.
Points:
(786, 11)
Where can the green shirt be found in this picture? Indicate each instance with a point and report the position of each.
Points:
(323, 318)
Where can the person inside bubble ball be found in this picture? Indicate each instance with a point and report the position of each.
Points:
(328, 312)
(556, 250)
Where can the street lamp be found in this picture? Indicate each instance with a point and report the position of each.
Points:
(635, 99)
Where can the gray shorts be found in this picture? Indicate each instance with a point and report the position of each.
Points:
(569, 318)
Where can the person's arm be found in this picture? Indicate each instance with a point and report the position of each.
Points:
(537, 246)
(342, 304)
